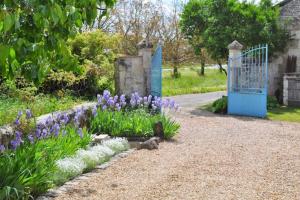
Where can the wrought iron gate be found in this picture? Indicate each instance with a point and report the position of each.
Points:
(247, 82)
(156, 73)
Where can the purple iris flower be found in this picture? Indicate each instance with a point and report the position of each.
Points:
(122, 98)
(166, 103)
(38, 133)
(17, 122)
(45, 133)
(30, 138)
(111, 102)
(56, 129)
(2, 148)
(118, 106)
(94, 111)
(17, 141)
(116, 98)
(106, 95)
(80, 132)
(28, 114)
(172, 104)
(104, 107)
(20, 113)
(49, 121)
(99, 99)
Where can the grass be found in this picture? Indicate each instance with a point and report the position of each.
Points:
(190, 82)
(283, 113)
(40, 105)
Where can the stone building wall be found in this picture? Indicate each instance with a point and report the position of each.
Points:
(290, 15)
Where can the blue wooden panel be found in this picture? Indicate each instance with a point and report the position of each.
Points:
(156, 73)
(247, 104)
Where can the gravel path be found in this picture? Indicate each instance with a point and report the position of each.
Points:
(213, 157)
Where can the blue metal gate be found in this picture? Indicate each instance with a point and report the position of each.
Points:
(247, 82)
(156, 73)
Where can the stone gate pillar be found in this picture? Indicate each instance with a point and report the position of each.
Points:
(234, 64)
(133, 73)
(145, 50)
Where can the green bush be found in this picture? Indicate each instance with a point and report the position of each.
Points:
(272, 103)
(97, 49)
(136, 123)
(220, 105)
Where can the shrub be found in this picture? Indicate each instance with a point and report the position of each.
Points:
(272, 103)
(220, 105)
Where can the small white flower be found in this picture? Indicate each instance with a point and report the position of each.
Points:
(70, 167)
(117, 144)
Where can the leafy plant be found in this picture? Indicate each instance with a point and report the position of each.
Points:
(272, 103)
(28, 171)
(33, 34)
(136, 123)
(220, 105)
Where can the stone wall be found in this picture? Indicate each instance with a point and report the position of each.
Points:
(291, 89)
(290, 15)
(133, 73)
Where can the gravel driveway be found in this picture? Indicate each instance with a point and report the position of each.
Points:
(213, 157)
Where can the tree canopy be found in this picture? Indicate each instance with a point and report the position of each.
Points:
(33, 33)
(213, 25)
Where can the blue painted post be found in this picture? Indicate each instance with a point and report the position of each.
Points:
(156, 73)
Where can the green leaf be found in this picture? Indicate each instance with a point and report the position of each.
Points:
(1, 26)
(8, 22)
(12, 53)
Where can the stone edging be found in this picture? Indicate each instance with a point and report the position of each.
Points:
(68, 186)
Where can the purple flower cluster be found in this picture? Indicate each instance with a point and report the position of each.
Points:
(51, 127)
(116, 103)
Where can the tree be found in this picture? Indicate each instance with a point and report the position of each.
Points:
(33, 34)
(134, 20)
(213, 25)
(193, 23)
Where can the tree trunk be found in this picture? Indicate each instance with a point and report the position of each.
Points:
(222, 69)
(202, 68)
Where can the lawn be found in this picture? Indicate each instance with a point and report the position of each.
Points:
(40, 105)
(190, 82)
(283, 113)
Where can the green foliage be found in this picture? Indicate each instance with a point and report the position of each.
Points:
(97, 49)
(215, 24)
(190, 82)
(33, 34)
(29, 170)
(136, 123)
(272, 103)
(220, 105)
(88, 84)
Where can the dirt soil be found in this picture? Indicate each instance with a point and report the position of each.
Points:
(213, 157)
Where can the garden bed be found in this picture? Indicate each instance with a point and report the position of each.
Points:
(48, 152)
